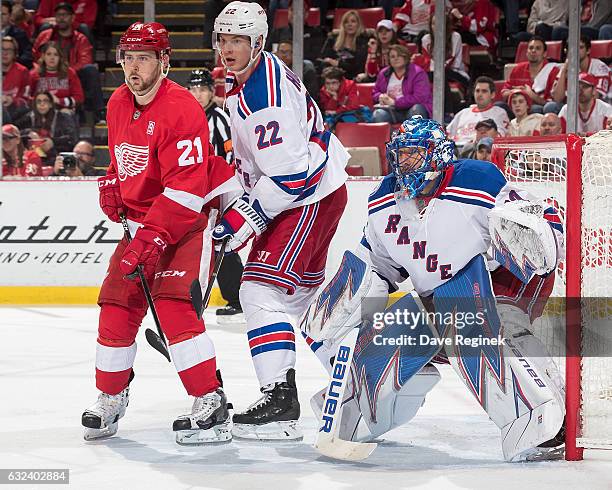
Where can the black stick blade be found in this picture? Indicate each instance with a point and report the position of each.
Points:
(195, 290)
(157, 343)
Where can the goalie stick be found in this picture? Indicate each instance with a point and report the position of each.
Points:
(328, 441)
(195, 290)
(155, 340)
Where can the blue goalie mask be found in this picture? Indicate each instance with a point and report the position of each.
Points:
(417, 153)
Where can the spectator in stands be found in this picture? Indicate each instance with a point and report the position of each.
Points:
(545, 15)
(218, 73)
(402, 89)
(53, 75)
(594, 66)
(487, 128)
(601, 20)
(484, 147)
(79, 53)
(348, 48)
(80, 164)
(455, 69)
(524, 122)
(476, 21)
(309, 74)
(550, 125)
(57, 129)
(536, 76)
(462, 129)
(412, 19)
(24, 51)
(83, 20)
(338, 97)
(314, 37)
(16, 160)
(378, 51)
(593, 114)
(15, 81)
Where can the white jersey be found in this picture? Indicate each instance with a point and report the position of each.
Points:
(284, 156)
(462, 129)
(600, 70)
(430, 245)
(595, 120)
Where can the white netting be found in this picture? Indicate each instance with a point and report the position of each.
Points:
(540, 167)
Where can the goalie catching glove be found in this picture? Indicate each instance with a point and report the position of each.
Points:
(239, 223)
(519, 229)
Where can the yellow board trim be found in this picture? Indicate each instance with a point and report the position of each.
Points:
(66, 295)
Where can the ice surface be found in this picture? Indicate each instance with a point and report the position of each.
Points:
(46, 381)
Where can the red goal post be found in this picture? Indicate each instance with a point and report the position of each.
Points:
(575, 175)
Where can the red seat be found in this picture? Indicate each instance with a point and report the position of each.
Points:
(369, 16)
(601, 49)
(498, 88)
(554, 50)
(365, 94)
(281, 18)
(313, 17)
(366, 134)
(354, 170)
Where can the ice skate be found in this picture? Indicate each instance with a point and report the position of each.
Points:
(274, 417)
(208, 422)
(101, 419)
(230, 315)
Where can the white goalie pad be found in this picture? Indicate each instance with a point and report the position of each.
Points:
(523, 238)
(340, 306)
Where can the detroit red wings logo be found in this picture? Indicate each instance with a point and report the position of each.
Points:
(131, 159)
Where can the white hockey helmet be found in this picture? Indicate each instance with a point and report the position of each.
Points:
(242, 19)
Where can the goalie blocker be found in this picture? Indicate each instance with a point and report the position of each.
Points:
(510, 380)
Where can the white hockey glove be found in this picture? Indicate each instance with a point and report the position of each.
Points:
(518, 228)
(241, 222)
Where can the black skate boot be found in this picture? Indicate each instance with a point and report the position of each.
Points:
(208, 422)
(274, 417)
(230, 314)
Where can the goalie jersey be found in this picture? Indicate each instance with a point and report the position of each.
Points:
(430, 242)
(284, 157)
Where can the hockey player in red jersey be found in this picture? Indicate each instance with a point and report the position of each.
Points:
(162, 178)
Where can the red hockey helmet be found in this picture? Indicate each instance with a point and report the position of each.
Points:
(151, 36)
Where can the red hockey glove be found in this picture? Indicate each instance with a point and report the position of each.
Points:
(240, 223)
(110, 198)
(145, 249)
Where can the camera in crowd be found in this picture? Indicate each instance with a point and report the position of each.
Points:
(69, 161)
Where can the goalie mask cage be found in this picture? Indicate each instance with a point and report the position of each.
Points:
(575, 175)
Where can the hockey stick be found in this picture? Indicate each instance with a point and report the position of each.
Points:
(156, 340)
(199, 303)
(328, 441)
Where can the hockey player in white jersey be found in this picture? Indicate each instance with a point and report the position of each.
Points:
(292, 172)
(435, 220)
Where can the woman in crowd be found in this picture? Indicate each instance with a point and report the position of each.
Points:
(348, 49)
(58, 129)
(378, 51)
(524, 123)
(53, 75)
(16, 160)
(402, 89)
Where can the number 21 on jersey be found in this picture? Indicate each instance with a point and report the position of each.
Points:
(186, 157)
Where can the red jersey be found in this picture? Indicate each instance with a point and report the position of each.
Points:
(160, 154)
(85, 11)
(543, 82)
(68, 90)
(347, 100)
(16, 83)
(32, 166)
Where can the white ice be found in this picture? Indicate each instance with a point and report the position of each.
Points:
(47, 380)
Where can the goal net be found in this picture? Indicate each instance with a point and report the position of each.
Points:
(575, 175)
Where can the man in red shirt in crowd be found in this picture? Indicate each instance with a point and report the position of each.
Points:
(536, 77)
(338, 95)
(15, 80)
(85, 12)
(79, 53)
